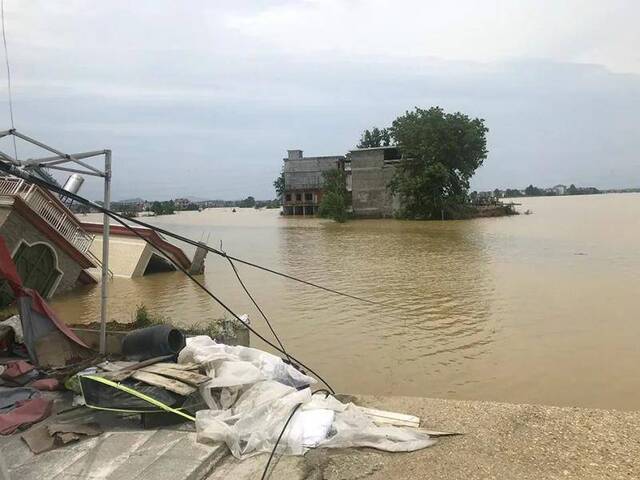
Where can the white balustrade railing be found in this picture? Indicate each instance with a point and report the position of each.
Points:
(61, 219)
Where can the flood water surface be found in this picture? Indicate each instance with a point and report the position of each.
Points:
(539, 308)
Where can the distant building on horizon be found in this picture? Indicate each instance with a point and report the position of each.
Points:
(181, 203)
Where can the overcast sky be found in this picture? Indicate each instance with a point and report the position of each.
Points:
(203, 98)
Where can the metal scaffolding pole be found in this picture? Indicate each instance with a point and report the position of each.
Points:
(55, 163)
(105, 253)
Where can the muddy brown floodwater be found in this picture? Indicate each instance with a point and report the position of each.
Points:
(539, 308)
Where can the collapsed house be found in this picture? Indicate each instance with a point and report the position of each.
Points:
(49, 245)
(55, 252)
(132, 256)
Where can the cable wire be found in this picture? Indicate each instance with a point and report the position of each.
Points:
(197, 244)
(6, 57)
(273, 451)
(121, 220)
(235, 270)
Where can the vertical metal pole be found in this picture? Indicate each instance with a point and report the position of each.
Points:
(105, 253)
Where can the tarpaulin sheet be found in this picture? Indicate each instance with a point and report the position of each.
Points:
(37, 318)
(252, 393)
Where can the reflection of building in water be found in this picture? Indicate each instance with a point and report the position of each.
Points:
(368, 171)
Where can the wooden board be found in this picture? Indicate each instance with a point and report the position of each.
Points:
(126, 372)
(391, 418)
(164, 382)
(115, 366)
(191, 378)
(180, 366)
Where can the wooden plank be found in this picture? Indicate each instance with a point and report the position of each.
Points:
(391, 418)
(191, 378)
(115, 366)
(120, 375)
(180, 366)
(435, 433)
(164, 382)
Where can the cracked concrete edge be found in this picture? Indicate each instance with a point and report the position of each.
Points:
(206, 468)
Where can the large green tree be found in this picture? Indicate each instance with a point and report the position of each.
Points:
(441, 152)
(278, 184)
(375, 138)
(334, 198)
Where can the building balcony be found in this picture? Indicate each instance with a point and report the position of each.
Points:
(50, 209)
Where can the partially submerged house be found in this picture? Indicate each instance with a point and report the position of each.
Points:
(54, 251)
(368, 172)
(47, 242)
(303, 181)
(371, 170)
(131, 256)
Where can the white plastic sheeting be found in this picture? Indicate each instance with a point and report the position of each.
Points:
(252, 393)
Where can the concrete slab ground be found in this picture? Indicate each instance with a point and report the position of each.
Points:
(124, 451)
(500, 441)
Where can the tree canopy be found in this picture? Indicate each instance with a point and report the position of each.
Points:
(248, 202)
(532, 191)
(441, 152)
(375, 138)
(163, 208)
(278, 184)
(334, 202)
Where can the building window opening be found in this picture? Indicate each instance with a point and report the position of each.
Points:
(392, 154)
(298, 197)
(287, 197)
(308, 197)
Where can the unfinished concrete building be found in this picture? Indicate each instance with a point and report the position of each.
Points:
(370, 171)
(303, 181)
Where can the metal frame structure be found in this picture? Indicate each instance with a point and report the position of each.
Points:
(58, 162)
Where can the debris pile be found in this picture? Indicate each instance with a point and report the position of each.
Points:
(249, 399)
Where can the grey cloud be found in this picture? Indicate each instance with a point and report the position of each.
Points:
(215, 120)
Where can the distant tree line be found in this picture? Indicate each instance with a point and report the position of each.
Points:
(533, 191)
(131, 209)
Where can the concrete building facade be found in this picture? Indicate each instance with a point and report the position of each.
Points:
(304, 182)
(371, 170)
(368, 172)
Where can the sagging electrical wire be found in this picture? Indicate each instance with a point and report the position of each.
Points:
(121, 220)
(6, 58)
(189, 241)
(246, 290)
(273, 450)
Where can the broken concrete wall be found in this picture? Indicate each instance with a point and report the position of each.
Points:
(370, 176)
